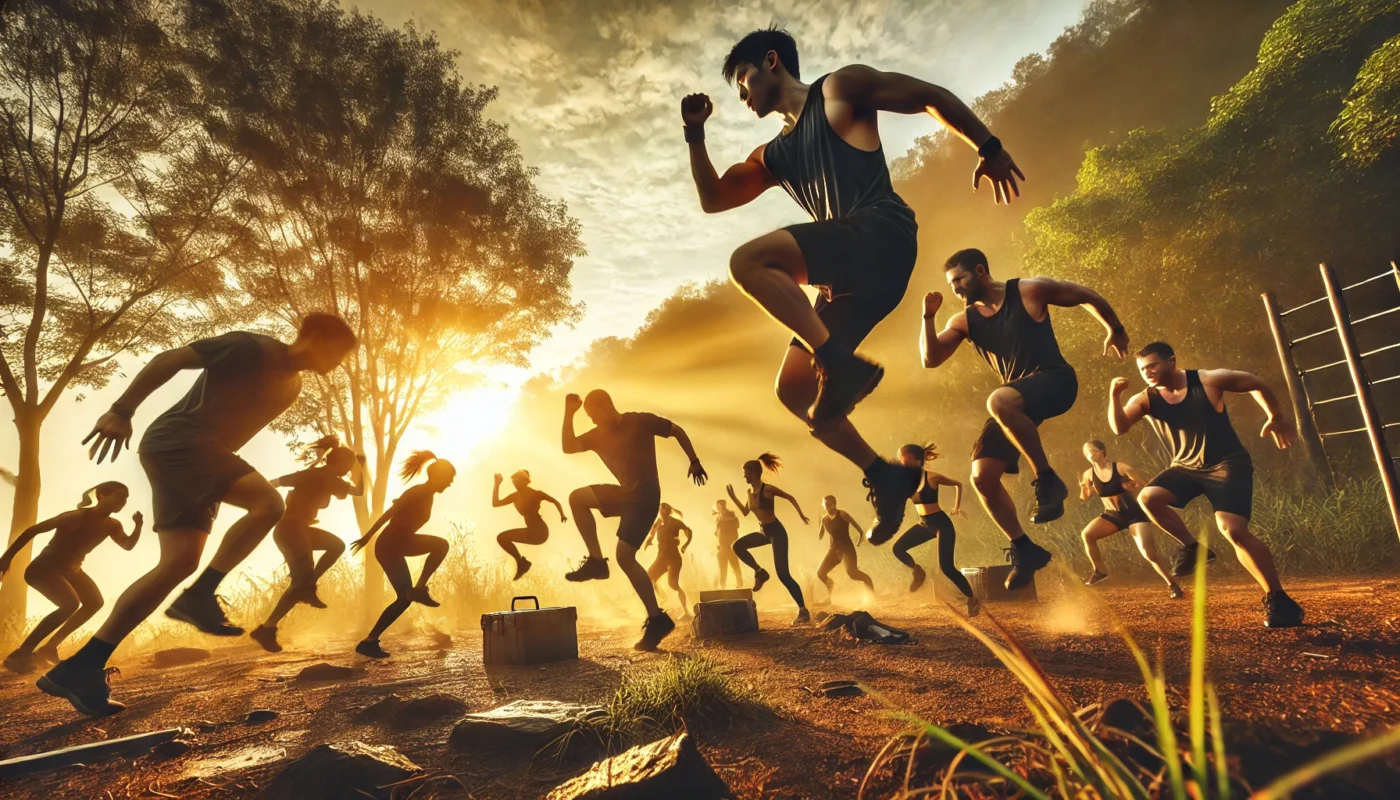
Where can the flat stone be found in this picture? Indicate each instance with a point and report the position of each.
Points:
(525, 725)
(177, 656)
(404, 713)
(260, 715)
(326, 672)
(342, 770)
(671, 768)
(841, 689)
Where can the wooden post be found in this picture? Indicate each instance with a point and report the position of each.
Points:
(1374, 431)
(1298, 391)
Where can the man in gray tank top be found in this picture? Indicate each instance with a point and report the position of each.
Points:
(1008, 322)
(1187, 409)
(860, 246)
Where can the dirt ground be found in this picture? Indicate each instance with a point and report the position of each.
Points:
(1338, 676)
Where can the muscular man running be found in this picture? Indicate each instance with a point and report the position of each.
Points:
(1187, 409)
(859, 249)
(1008, 322)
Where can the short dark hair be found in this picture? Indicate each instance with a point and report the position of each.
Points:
(1160, 349)
(752, 49)
(1098, 445)
(968, 259)
(328, 328)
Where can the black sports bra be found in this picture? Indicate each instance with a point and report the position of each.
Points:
(1111, 487)
(927, 495)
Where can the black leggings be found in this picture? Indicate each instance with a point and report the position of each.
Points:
(934, 526)
(775, 534)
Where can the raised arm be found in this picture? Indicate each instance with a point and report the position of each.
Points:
(572, 403)
(733, 498)
(28, 534)
(739, 184)
(119, 536)
(496, 501)
(113, 429)
(1067, 294)
(780, 493)
(1278, 424)
(1122, 418)
(1086, 486)
(696, 471)
(357, 488)
(935, 347)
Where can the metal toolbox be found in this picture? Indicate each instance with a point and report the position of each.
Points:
(721, 619)
(989, 584)
(529, 636)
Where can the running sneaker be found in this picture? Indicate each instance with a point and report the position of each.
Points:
(1096, 578)
(802, 618)
(87, 689)
(371, 648)
(590, 569)
(841, 384)
(1177, 593)
(974, 606)
(522, 566)
(1280, 611)
(267, 638)
(919, 577)
(204, 611)
(19, 662)
(419, 595)
(759, 578)
(890, 486)
(657, 627)
(1184, 563)
(1050, 494)
(1025, 560)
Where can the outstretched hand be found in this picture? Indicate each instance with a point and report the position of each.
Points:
(698, 475)
(1116, 343)
(112, 432)
(1002, 171)
(359, 544)
(805, 521)
(959, 513)
(1282, 430)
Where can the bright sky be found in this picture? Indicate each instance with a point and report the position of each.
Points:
(592, 91)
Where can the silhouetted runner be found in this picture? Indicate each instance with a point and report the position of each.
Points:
(669, 550)
(761, 499)
(527, 501)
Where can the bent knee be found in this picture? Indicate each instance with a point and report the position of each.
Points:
(1005, 401)
(1154, 499)
(985, 482)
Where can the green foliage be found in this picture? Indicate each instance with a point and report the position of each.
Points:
(1369, 125)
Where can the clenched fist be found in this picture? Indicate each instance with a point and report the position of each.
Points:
(1117, 386)
(572, 402)
(932, 302)
(696, 108)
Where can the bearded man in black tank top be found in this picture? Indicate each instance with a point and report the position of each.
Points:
(1187, 409)
(1008, 322)
(859, 250)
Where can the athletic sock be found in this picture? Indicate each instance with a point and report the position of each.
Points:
(207, 581)
(92, 655)
(829, 352)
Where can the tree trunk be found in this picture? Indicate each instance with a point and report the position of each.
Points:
(373, 573)
(14, 592)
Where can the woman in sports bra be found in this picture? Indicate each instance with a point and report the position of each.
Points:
(760, 503)
(933, 523)
(836, 526)
(667, 532)
(1115, 483)
(726, 534)
(527, 501)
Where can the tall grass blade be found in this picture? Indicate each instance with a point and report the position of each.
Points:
(1217, 740)
(1197, 701)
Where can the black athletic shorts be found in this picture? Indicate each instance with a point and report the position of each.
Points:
(1046, 394)
(1129, 515)
(188, 484)
(1229, 485)
(861, 264)
(637, 512)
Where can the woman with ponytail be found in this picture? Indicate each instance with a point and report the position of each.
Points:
(298, 537)
(401, 540)
(760, 503)
(527, 500)
(57, 572)
(934, 523)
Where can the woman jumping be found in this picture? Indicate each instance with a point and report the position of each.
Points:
(933, 523)
(667, 532)
(297, 536)
(761, 504)
(527, 500)
(727, 533)
(836, 524)
(1120, 512)
(401, 540)
(57, 572)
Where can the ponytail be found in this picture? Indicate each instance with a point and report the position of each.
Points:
(924, 452)
(415, 463)
(322, 447)
(91, 496)
(770, 461)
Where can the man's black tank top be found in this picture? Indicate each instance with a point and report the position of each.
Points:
(927, 495)
(1199, 435)
(829, 177)
(1011, 341)
(1111, 487)
(839, 529)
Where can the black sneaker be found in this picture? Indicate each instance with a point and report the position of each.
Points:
(419, 595)
(841, 384)
(204, 611)
(591, 569)
(759, 578)
(1280, 611)
(86, 689)
(1025, 561)
(890, 488)
(655, 629)
(371, 649)
(1184, 563)
(1050, 494)
(974, 606)
(1177, 593)
(919, 577)
(522, 566)
(803, 617)
(267, 638)
(1096, 578)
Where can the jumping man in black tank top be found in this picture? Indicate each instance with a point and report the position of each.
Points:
(1114, 482)
(1008, 322)
(859, 250)
(1187, 409)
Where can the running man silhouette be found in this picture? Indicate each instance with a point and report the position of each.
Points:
(188, 453)
(626, 443)
(527, 500)
(858, 250)
(57, 572)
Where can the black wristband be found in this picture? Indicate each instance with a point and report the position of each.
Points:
(1118, 329)
(694, 133)
(122, 412)
(930, 316)
(990, 148)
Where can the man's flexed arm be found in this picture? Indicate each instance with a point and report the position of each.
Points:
(572, 403)
(740, 183)
(1066, 294)
(1121, 418)
(1279, 425)
(936, 347)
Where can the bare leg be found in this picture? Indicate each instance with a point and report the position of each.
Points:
(55, 587)
(1157, 501)
(637, 574)
(1008, 408)
(833, 558)
(771, 271)
(655, 571)
(300, 570)
(582, 503)
(1253, 554)
(91, 599)
(180, 551)
(796, 388)
(264, 505)
(1098, 528)
(986, 481)
(673, 578)
(436, 549)
(332, 547)
(396, 570)
(1142, 534)
(853, 572)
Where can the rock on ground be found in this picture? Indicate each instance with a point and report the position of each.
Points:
(342, 770)
(177, 656)
(523, 724)
(671, 768)
(404, 713)
(326, 672)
